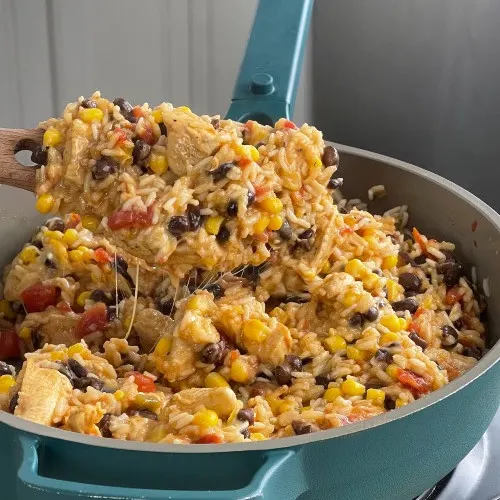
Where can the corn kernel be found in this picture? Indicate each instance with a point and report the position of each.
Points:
(87, 253)
(286, 406)
(401, 402)
(147, 401)
(356, 268)
(198, 303)
(6, 382)
(279, 314)
(350, 220)
(70, 237)
(28, 254)
(391, 321)
(157, 115)
(255, 330)
(6, 309)
(119, 395)
(59, 250)
(352, 388)
(184, 108)
(377, 396)
(88, 115)
(305, 408)
(52, 137)
(82, 298)
(351, 297)
(239, 371)
(57, 356)
(158, 163)
(214, 379)
(394, 290)
(389, 262)
(213, 224)
(274, 403)
(392, 370)
(76, 349)
(54, 235)
(206, 418)
(332, 394)
(273, 205)
(163, 346)
(428, 302)
(356, 354)
(371, 240)
(261, 225)
(158, 433)
(335, 343)
(254, 153)
(75, 256)
(370, 281)
(275, 223)
(326, 268)
(389, 338)
(316, 162)
(257, 436)
(44, 203)
(25, 333)
(368, 231)
(90, 222)
(403, 324)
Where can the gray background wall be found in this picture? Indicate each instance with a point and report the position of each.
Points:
(414, 79)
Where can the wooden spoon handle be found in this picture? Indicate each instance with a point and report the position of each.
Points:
(13, 173)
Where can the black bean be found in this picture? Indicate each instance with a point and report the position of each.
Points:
(306, 360)
(55, 224)
(410, 293)
(410, 282)
(251, 273)
(216, 290)
(246, 415)
(67, 372)
(215, 123)
(294, 362)
(459, 324)
(322, 380)
(472, 352)
(383, 355)
(37, 243)
(285, 231)
(421, 259)
(223, 235)
(373, 385)
(371, 314)
(330, 156)
(306, 235)
(178, 225)
(39, 155)
(283, 374)
(104, 425)
(194, 217)
(419, 341)
(232, 208)
(13, 402)
(335, 182)
(250, 198)
(143, 413)
(50, 263)
(357, 319)
(4, 368)
(99, 295)
(121, 264)
(212, 353)
(124, 105)
(111, 312)
(378, 272)
(118, 296)
(408, 304)
(450, 336)
(405, 258)
(78, 369)
(84, 382)
(104, 167)
(297, 299)
(36, 340)
(301, 427)
(246, 433)
(141, 151)
(389, 404)
(88, 103)
(221, 171)
(451, 271)
(163, 129)
(165, 305)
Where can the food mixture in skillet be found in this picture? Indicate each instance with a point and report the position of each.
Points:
(204, 286)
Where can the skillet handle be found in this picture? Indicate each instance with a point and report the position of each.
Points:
(269, 74)
(280, 477)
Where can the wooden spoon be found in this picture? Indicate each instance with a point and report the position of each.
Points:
(13, 173)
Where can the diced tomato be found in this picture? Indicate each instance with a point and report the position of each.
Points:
(147, 135)
(261, 190)
(144, 383)
(130, 219)
(122, 136)
(419, 312)
(101, 256)
(210, 439)
(414, 327)
(72, 220)
(10, 345)
(244, 162)
(92, 320)
(453, 296)
(417, 384)
(63, 306)
(346, 230)
(289, 124)
(234, 356)
(38, 297)
(137, 112)
(419, 239)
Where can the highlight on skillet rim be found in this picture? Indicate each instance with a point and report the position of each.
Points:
(210, 284)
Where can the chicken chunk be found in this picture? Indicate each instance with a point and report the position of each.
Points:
(222, 400)
(151, 325)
